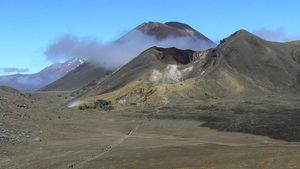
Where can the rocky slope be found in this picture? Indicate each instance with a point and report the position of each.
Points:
(85, 74)
(162, 31)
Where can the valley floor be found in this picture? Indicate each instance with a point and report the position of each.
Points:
(65, 138)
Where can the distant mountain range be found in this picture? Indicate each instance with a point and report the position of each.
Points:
(32, 82)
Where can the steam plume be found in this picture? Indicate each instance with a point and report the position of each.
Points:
(117, 53)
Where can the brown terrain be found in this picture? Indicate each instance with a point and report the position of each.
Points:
(233, 106)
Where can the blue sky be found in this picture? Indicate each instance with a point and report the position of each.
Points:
(27, 27)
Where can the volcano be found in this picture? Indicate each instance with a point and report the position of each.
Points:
(92, 73)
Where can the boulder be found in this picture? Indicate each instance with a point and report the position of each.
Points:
(104, 105)
(3, 98)
(23, 106)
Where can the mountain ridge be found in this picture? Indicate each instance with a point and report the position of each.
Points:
(150, 29)
(242, 62)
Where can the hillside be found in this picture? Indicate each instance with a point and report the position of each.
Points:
(84, 74)
(244, 74)
(243, 62)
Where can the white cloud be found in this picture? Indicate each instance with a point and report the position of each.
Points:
(13, 70)
(278, 34)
